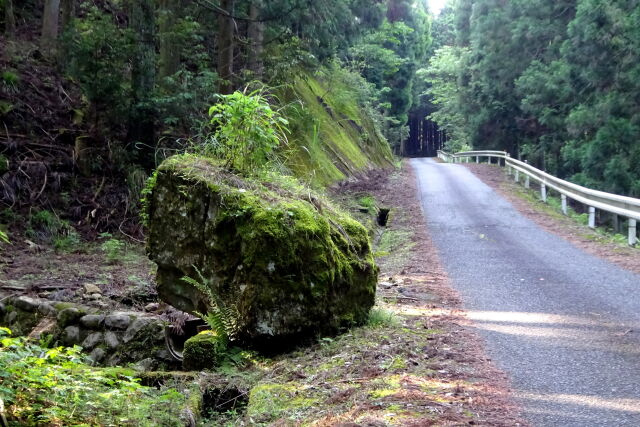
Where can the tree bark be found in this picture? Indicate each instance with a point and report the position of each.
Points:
(256, 39)
(170, 11)
(68, 8)
(143, 75)
(9, 18)
(68, 13)
(50, 25)
(226, 28)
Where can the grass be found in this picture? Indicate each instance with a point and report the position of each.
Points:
(361, 375)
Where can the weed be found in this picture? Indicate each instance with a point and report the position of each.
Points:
(114, 249)
(246, 130)
(57, 386)
(10, 80)
(221, 318)
(68, 242)
(368, 202)
(380, 318)
(46, 227)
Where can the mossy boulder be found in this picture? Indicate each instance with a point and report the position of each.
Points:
(202, 351)
(289, 263)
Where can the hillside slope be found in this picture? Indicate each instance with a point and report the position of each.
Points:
(53, 158)
(334, 136)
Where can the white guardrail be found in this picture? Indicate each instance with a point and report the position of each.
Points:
(627, 207)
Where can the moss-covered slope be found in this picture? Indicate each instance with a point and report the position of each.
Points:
(289, 263)
(333, 136)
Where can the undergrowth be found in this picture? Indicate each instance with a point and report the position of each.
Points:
(57, 386)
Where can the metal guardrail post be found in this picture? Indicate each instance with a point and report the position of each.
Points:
(517, 176)
(564, 204)
(477, 159)
(527, 182)
(633, 239)
(543, 192)
(592, 217)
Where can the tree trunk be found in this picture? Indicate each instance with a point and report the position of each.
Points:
(68, 13)
(170, 11)
(256, 39)
(9, 18)
(143, 74)
(225, 46)
(68, 8)
(50, 26)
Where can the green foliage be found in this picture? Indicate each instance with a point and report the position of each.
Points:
(442, 77)
(380, 318)
(222, 318)
(57, 386)
(368, 202)
(113, 249)
(245, 131)
(46, 227)
(10, 80)
(4, 164)
(98, 58)
(554, 82)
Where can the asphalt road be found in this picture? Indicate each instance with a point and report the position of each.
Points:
(563, 324)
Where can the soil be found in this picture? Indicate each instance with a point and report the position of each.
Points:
(596, 242)
(39, 271)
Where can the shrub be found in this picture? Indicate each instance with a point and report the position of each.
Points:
(57, 386)
(46, 227)
(245, 131)
(114, 249)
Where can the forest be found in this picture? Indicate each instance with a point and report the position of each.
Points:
(552, 82)
(95, 94)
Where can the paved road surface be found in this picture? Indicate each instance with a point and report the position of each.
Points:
(563, 324)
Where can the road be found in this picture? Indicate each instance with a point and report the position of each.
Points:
(563, 324)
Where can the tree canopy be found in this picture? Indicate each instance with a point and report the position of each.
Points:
(555, 82)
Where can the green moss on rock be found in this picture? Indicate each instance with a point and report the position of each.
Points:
(291, 263)
(202, 352)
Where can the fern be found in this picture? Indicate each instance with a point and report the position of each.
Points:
(221, 318)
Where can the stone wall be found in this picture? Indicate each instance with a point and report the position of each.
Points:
(110, 338)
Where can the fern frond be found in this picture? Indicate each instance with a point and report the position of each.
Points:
(221, 318)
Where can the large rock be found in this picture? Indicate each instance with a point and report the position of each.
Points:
(290, 264)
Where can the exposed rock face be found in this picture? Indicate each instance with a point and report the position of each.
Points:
(290, 264)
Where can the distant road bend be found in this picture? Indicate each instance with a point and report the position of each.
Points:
(563, 324)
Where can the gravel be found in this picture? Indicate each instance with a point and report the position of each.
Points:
(563, 324)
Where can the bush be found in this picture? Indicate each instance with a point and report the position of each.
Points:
(46, 227)
(57, 386)
(114, 249)
(245, 131)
